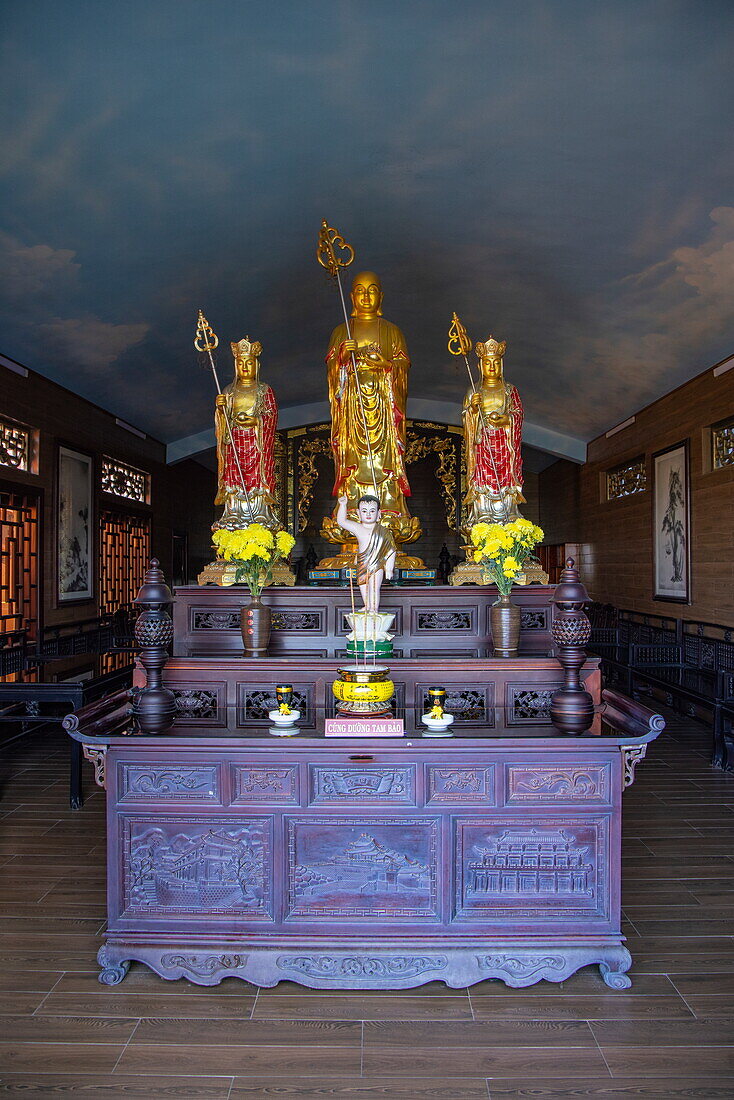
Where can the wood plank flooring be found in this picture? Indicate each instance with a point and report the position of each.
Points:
(670, 1036)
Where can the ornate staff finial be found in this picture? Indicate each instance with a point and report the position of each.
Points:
(459, 340)
(331, 240)
(206, 338)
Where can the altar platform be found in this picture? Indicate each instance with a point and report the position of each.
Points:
(440, 621)
(210, 690)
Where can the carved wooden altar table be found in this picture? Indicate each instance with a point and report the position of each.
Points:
(366, 864)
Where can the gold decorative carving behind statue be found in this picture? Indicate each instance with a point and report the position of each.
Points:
(308, 475)
(419, 447)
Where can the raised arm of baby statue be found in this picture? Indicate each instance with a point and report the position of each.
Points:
(359, 531)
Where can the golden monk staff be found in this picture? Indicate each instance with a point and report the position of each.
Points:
(206, 340)
(329, 237)
(460, 344)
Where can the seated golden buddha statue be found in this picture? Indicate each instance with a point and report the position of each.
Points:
(368, 415)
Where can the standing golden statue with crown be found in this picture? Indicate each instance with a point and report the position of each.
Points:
(492, 417)
(245, 418)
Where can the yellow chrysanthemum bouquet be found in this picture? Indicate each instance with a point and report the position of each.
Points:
(254, 551)
(502, 548)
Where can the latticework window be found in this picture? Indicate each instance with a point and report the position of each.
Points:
(19, 544)
(15, 446)
(124, 481)
(124, 549)
(722, 443)
(625, 481)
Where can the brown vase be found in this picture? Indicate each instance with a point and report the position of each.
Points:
(255, 622)
(504, 617)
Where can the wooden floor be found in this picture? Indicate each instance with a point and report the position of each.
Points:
(671, 1035)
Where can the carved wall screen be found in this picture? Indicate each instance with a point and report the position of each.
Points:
(15, 446)
(125, 481)
(722, 444)
(19, 543)
(625, 481)
(124, 549)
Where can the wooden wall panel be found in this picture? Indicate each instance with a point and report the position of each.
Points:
(615, 537)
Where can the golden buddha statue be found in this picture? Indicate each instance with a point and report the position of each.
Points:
(368, 417)
(493, 417)
(245, 418)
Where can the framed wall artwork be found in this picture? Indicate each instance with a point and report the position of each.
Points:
(74, 526)
(672, 524)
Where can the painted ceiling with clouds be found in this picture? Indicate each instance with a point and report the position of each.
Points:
(560, 173)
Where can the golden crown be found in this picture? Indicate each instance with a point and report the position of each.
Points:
(245, 348)
(490, 348)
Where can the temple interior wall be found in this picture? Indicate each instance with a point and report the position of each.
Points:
(616, 536)
(181, 496)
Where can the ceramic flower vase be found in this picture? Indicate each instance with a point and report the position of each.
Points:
(255, 623)
(505, 624)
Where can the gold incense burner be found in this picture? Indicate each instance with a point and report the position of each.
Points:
(366, 692)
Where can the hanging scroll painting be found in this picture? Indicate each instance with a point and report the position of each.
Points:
(671, 524)
(74, 565)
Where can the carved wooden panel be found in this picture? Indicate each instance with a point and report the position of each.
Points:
(379, 869)
(454, 621)
(202, 704)
(300, 621)
(529, 704)
(469, 703)
(184, 782)
(558, 783)
(200, 865)
(276, 785)
(535, 618)
(553, 870)
(214, 618)
(254, 702)
(364, 966)
(363, 784)
(460, 784)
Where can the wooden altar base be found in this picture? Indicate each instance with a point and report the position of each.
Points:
(432, 622)
(362, 867)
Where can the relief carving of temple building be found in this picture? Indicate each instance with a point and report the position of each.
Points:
(530, 862)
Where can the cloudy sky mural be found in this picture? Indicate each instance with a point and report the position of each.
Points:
(560, 173)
